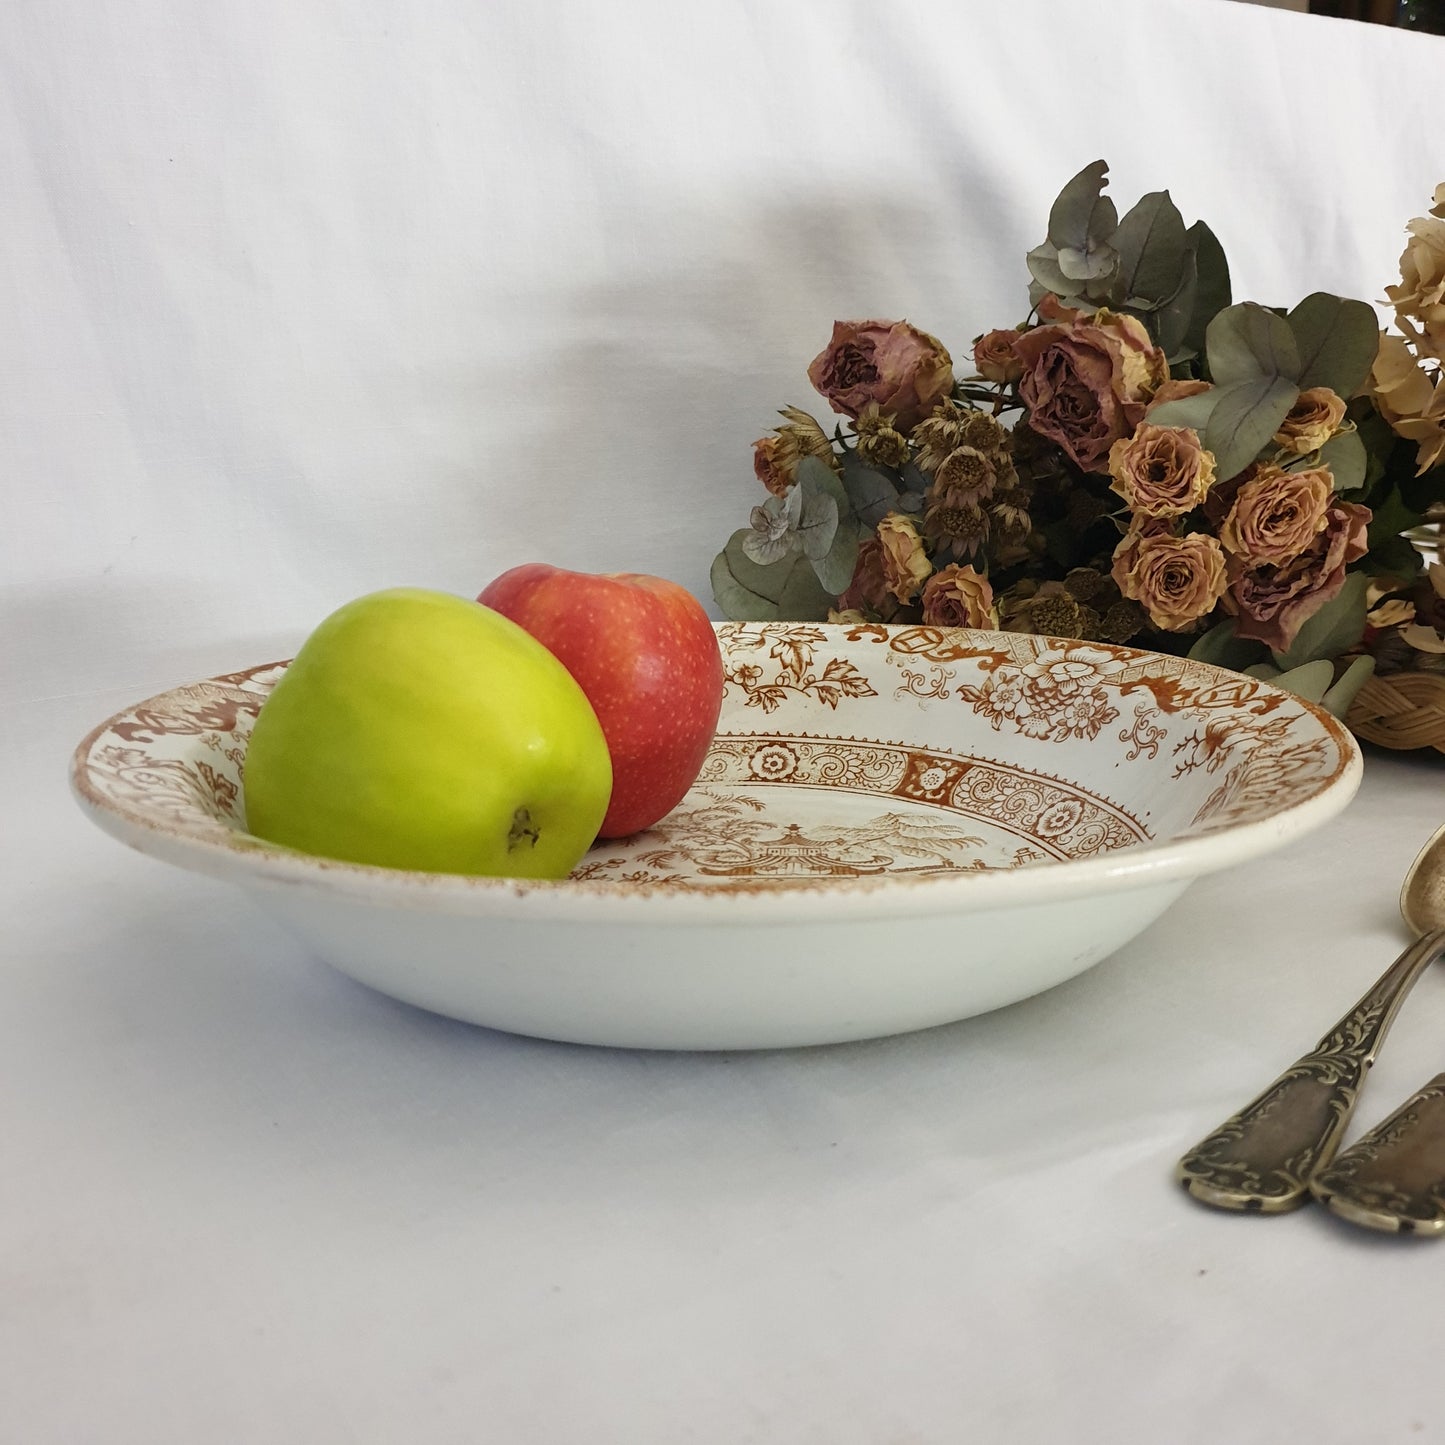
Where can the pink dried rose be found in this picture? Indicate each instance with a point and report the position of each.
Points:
(1176, 580)
(905, 560)
(995, 357)
(776, 457)
(904, 370)
(1270, 604)
(1126, 554)
(1221, 496)
(1276, 515)
(1173, 390)
(1161, 471)
(1086, 384)
(1050, 308)
(770, 464)
(958, 597)
(1311, 421)
(867, 592)
(1144, 368)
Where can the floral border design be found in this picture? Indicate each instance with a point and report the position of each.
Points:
(1058, 819)
(174, 762)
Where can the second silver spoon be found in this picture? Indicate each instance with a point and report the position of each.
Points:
(1263, 1157)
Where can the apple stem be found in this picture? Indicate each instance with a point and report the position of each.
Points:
(522, 831)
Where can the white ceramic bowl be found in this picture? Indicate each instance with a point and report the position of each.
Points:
(895, 827)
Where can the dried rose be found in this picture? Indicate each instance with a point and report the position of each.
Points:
(905, 370)
(1218, 503)
(1423, 639)
(1086, 385)
(1419, 299)
(1407, 399)
(867, 592)
(1050, 308)
(1270, 604)
(770, 465)
(1161, 471)
(1276, 515)
(905, 561)
(958, 597)
(849, 615)
(995, 358)
(776, 457)
(1173, 390)
(1176, 580)
(1144, 368)
(1391, 613)
(1311, 421)
(1126, 554)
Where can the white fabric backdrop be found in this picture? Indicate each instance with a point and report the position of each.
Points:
(303, 300)
(300, 300)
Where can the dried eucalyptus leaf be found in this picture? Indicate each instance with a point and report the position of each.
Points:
(764, 549)
(1336, 339)
(1345, 456)
(1081, 213)
(817, 478)
(792, 507)
(835, 569)
(746, 591)
(1091, 265)
(1043, 264)
(818, 525)
(1310, 681)
(1221, 647)
(1334, 629)
(1212, 293)
(1191, 411)
(1391, 516)
(803, 598)
(1338, 699)
(871, 493)
(1152, 244)
(1245, 417)
(1397, 558)
(914, 479)
(1171, 321)
(1248, 341)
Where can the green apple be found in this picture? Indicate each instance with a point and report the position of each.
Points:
(420, 730)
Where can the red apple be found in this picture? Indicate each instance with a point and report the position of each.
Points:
(644, 652)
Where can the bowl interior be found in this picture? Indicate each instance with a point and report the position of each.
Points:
(849, 751)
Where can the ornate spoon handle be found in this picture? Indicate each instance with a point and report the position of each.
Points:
(1394, 1177)
(1263, 1157)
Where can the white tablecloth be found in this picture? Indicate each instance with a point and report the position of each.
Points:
(301, 300)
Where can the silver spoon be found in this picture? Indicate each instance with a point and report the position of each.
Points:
(1264, 1158)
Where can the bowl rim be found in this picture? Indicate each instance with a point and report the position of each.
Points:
(244, 859)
